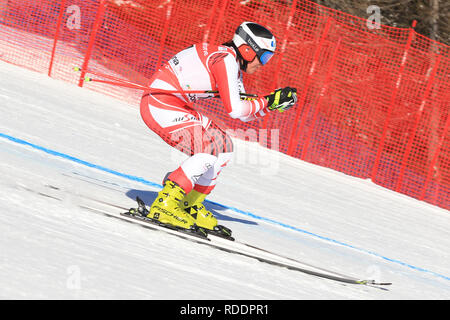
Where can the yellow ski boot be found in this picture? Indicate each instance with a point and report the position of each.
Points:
(193, 204)
(166, 207)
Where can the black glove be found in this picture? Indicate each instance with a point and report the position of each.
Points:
(282, 99)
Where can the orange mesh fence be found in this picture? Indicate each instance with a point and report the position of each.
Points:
(373, 102)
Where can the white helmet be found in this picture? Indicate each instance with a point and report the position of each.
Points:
(252, 40)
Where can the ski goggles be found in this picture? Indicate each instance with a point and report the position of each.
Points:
(265, 56)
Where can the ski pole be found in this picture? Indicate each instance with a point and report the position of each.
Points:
(114, 80)
(128, 84)
(118, 83)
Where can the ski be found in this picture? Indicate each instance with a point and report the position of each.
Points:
(238, 248)
(219, 240)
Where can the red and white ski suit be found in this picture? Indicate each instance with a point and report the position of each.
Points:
(170, 115)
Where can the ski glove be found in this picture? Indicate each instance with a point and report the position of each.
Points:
(282, 99)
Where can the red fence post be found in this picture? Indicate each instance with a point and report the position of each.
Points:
(55, 40)
(391, 104)
(319, 102)
(281, 54)
(95, 28)
(164, 35)
(435, 157)
(295, 131)
(210, 20)
(416, 125)
(219, 20)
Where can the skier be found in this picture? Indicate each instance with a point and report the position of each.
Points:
(169, 113)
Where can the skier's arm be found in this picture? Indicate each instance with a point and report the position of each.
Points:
(225, 71)
(261, 113)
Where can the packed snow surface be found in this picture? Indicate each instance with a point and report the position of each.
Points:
(60, 144)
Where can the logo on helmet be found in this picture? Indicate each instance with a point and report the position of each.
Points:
(253, 44)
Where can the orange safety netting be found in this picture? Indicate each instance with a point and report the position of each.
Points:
(373, 102)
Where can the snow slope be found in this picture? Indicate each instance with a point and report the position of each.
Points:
(59, 143)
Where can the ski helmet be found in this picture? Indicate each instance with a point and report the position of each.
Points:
(254, 40)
